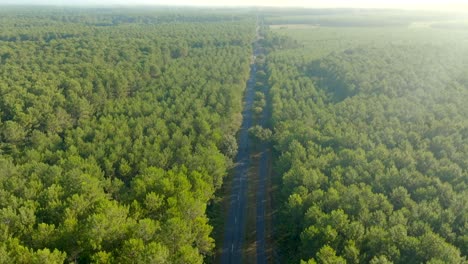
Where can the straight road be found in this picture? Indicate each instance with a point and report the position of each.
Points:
(234, 232)
(235, 224)
(261, 194)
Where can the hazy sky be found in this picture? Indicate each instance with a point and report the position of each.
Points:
(411, 4)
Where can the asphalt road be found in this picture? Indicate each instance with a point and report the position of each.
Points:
(261, 195)
(235, 223)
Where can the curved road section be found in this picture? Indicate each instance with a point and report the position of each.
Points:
(235, 224)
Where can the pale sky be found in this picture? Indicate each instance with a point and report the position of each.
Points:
(406, 4)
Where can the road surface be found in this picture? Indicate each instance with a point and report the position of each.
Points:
(235, 223)
(261, 195)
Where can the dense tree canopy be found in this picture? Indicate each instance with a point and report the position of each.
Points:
(118, 126)
(115, 131)
(372, 146)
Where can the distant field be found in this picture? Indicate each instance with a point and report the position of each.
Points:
(294, 26)
(424, 24)
(445, 24)
(359, 18)
(313, 38)
(459, 25)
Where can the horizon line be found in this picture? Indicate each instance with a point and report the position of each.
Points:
(230, 6)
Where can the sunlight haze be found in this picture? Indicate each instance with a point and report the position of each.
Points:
(414, 4)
